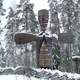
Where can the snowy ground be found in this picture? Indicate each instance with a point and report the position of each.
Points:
(35, 74)
(16, 77)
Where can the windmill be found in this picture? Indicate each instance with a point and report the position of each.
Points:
(43, 40)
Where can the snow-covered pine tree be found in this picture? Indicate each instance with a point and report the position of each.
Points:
(71, 21)
(76, 28)
(23, 20)
(1, 8)
(10, 46)
(2, 52)
(55, 29)
(68, 12)
(2, 11)
(28, 24)
(67, 15)
(2, 56)
(54, 18)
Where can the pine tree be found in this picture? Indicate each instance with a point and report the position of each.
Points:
(55, 10)
(2, 11)
(23, 20)
(2, 52)
(76, 29)
(56, 56)
(29, 25)
(2, 56)
(10, 47)
(54, 19)
(68, 21)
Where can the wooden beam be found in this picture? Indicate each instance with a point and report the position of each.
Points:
(22, 38)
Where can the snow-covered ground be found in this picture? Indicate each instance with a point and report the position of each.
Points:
(35, 74)
(58, 73)
(17, 77)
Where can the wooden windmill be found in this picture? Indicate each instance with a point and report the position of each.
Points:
(43, 40)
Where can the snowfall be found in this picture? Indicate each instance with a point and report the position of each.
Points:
(23, 73)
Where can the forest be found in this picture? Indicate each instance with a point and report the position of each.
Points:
(63, 24)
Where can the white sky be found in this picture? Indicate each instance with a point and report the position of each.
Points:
(38, 4)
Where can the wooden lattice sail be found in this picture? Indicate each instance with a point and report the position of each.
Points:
(44, 57)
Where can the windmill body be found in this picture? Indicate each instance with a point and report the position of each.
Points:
(44, 57)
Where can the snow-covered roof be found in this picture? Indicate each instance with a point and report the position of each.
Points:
(75, 57)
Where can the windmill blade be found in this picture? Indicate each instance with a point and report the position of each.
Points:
(22, 38)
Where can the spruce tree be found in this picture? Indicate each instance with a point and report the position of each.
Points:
(10, 46)
(23, 20)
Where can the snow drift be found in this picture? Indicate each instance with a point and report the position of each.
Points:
(44, 74)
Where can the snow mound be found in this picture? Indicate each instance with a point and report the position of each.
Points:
(56, 74)
(43, 74)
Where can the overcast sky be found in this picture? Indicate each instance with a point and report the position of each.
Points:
(38, 4)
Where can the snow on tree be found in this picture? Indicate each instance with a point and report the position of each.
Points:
(76, 29)
(28, 24)
(23, 20)
(2, 52)
(54, 18)
(2, 56)
(70, 21)
(67, 20)
(1, 8)
(67, 15)
(10, 47)
(2, 11)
